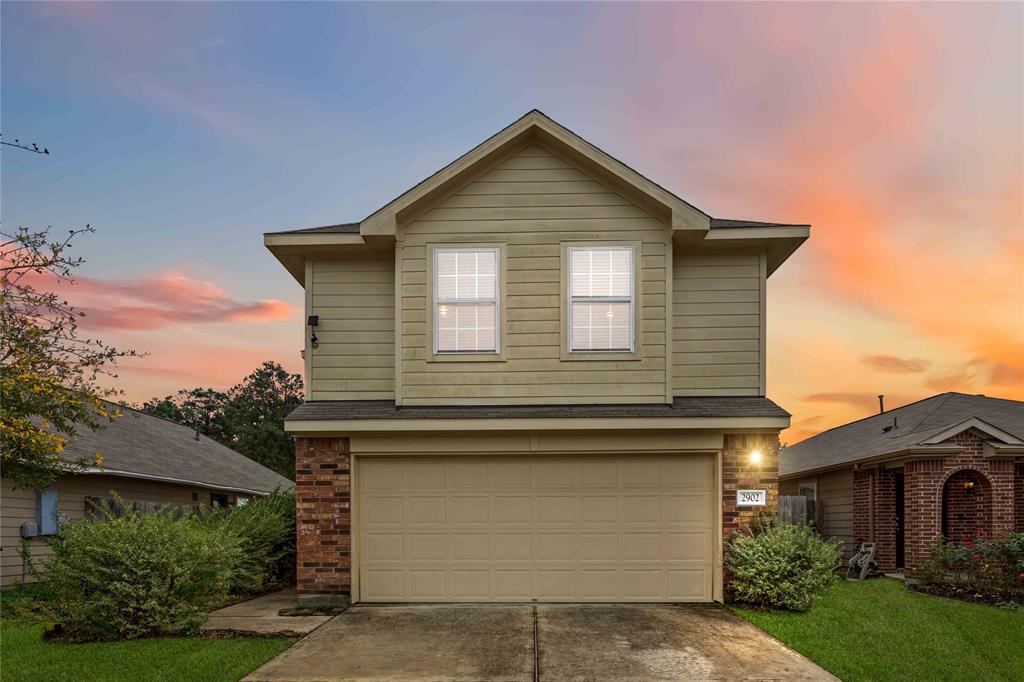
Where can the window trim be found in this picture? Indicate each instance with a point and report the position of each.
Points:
(567, 353)
(811, 483)
(500, 313)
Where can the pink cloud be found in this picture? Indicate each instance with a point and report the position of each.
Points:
(166, 299)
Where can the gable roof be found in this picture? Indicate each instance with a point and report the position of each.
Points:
(924, 424)
(140, 445)
(290, 246)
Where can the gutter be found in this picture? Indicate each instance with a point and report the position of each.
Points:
(98, 471)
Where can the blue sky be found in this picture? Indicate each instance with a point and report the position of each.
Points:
(183, 131)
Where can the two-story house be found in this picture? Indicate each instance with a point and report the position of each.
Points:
(535, 376)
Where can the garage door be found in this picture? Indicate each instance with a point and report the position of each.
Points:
(631, 528)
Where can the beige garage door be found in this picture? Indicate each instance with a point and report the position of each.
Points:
(631, 528)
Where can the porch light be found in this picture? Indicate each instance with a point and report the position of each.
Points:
(968, 485)
(755, 456)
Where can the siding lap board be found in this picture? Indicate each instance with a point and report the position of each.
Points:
(716, 314)
(532, 202)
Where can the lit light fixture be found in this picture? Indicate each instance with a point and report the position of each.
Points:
(609, 314)
(755, 456)
(442, 310)
(968, 485)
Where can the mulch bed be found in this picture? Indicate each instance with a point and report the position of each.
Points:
(966, 593)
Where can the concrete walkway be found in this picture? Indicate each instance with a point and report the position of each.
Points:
(259, 617)
(524, 643)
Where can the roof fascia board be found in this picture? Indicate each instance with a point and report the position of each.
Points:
(973, 423)
(311, 426)
(884, 458)
(779, 242)
(99, 471)
(384, 221)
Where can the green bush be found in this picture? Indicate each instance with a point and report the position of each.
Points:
(265, 529)
(992, 567)
(139, 575)
(781, 566)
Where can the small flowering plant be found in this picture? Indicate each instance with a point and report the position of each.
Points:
(985, 566)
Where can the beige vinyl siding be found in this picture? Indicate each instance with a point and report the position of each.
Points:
(532, 203)
(835, 490)
(717, 309)
(835, 495)
(355, 299)
(19, 505)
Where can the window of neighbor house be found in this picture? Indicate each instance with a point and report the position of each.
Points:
(46, 511)
(466, 300)
(808, 489)
(601, 298)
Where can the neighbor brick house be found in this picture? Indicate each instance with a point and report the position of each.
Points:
(536, 375)
(948, 466)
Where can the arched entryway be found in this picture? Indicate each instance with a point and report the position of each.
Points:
(966, 506)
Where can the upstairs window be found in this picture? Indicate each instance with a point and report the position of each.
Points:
(466, 300)
(601, 298)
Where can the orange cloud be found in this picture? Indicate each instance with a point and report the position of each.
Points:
(165, 299)
(895, 365)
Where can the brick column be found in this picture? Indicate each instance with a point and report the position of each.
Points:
(739, 474)
(1018, 497)
(323, 516)
(874, 513)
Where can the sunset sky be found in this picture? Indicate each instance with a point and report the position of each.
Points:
(184, 131)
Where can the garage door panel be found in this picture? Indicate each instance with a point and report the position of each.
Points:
(539, 528)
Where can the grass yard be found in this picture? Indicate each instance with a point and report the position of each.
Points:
(25, 657)
(880, 630)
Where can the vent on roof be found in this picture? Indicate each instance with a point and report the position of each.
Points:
(894, 425)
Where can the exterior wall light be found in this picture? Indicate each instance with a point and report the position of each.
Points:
(313, 321)
(755, 457)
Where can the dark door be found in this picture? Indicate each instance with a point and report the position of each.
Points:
(899, 519)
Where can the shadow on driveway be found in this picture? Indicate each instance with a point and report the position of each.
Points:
(513, 643)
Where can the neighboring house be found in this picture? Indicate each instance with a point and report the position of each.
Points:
(951, 465)
(147, 461)
(536, 375)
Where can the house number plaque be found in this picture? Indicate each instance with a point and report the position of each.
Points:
(751, 498)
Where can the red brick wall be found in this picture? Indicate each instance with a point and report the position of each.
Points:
(323, 516)
(878, 487)
(1018, 497)
(739, 474)
(967, 506)
(925, 481)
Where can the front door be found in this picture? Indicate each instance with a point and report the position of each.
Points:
(899, 520)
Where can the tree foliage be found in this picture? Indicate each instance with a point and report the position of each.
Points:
(49, 375)
(249, 418)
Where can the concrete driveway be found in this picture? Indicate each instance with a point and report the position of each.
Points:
(494, 643)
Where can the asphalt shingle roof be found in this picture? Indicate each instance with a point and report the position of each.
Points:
(915, 423)
(140, 443)
(681, 407)
(343, 228)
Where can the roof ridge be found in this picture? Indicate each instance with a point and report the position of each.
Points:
(945, 398)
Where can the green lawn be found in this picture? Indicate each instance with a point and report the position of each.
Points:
(25, 657)
(880, 630)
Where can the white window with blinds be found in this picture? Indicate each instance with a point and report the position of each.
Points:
(601, 298)
(466, 300)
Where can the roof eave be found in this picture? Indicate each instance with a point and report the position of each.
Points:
(779, 242)
(310, 427)
(894, 456)
(102, 471)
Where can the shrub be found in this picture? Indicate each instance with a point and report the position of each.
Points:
(781, 566)
(265, 529)
(139, 575)
(989, 567)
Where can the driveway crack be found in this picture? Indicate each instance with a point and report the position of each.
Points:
(536, 648)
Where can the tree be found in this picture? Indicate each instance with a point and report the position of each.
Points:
(49, 376)
(255, 414)
(249, 418)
